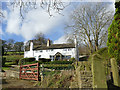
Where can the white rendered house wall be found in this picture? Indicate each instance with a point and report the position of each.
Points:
(46, 53)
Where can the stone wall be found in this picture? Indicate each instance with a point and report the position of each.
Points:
(84, 75)
(9, 74)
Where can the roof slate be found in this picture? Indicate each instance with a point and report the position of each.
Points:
(53, 46)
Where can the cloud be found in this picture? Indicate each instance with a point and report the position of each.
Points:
(36, 20)
(1, 32)
(61, 40)
(13, 22)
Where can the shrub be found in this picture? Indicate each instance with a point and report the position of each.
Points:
(59, 66)
(72, 59)
(61, 62)
(113, 42)
(56, 62)
(26, 60)
(13, 57)
(44, 60)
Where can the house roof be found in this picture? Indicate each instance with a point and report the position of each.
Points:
(52, 46)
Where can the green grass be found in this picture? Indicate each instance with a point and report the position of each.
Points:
(5, 68)
(12, 52)
(10, 63)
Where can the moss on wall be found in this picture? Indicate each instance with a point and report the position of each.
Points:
(98, 72)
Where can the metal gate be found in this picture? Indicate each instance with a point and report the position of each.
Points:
(30, 71)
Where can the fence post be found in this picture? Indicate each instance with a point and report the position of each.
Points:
(20, 73)
(41, 73)
(38, 70)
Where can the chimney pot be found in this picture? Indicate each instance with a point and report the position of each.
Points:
(48, 42)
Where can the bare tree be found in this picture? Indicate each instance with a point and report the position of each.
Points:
(18, 46)
(39, 39)
(48, 5)
(90, 22)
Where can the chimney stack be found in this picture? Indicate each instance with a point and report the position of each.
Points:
(31, 45)
(76, 49)
(48, 43)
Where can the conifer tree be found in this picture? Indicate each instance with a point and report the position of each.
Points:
(114, 35)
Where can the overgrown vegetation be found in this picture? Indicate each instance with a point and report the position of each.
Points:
(114, 35)
(26, 61)
(59, 66)
(113, 44)
(57, 80)
(58, 62)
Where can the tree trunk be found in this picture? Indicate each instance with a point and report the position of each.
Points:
(96, 45)
(90, 45)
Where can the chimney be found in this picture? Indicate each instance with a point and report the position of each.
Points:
(76, 49)
(31, 45)
(48, 43)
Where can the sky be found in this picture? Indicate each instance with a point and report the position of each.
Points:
(35, 21)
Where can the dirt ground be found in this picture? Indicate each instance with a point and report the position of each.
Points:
(15, 83)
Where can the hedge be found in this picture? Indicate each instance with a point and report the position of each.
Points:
(12, 58)
(58, 62)
(26, 60)
(59, 66)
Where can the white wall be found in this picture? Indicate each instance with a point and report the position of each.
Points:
(47, 53)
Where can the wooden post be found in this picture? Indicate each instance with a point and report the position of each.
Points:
(20, 73)
(38, 70)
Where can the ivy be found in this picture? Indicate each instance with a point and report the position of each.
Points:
(113, 42)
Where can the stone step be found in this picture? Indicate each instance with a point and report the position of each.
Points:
(83, 78)
(74, 85)
(86, 75)
(86, 81)
(86, 85)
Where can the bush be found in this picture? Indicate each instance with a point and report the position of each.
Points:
(13, 57)
(72, 59)
(56, 62)
(61, 62)
(26, 60)
(59, 66)
(44, 60)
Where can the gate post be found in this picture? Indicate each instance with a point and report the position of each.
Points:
(20, 73)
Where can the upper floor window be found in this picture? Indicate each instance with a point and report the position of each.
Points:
(69, 49)
(52, 49)
(41, 51)
(64, 49)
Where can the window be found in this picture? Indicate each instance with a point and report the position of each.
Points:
(52, 49)
(41, 51)
(69, 49)
(36, 51)
(64, 49)
(39, 56)
(52, 58)
(68, 56)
